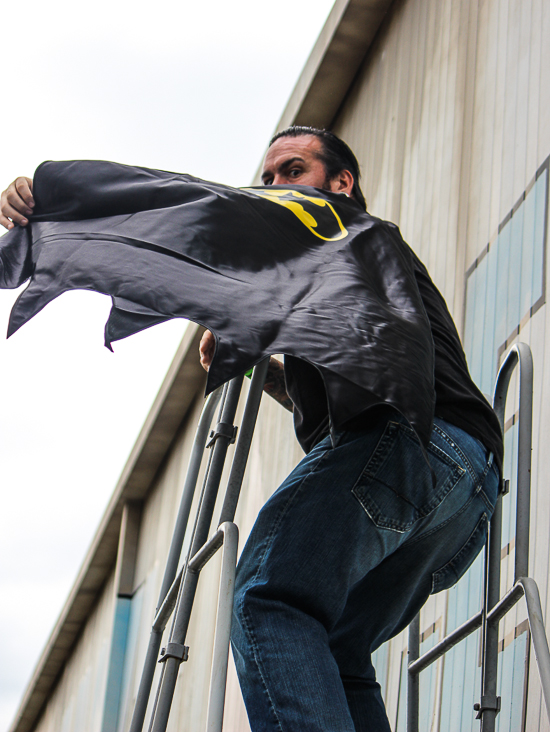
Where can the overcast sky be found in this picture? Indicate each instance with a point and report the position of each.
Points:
(194, 87)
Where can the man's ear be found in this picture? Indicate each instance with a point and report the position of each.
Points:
(342, 183)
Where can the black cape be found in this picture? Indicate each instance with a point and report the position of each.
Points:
(298, 271)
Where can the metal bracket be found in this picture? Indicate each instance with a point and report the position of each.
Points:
(504, 486)
(488, 703)
(174, 650)
(223, 429)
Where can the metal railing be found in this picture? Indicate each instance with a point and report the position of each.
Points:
(178, 589)
(495, 607)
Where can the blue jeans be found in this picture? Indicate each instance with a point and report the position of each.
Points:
(341, 558)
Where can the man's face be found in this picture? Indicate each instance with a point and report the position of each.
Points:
(295, 161)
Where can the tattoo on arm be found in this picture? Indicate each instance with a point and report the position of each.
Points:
(275, 384)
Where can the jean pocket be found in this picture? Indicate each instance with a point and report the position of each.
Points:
(451, 572)
(396, 487)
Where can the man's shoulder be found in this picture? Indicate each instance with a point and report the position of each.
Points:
(377, 224)
(387, 231)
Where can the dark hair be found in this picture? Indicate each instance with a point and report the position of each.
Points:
(335, 155)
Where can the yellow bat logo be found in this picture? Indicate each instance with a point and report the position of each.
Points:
(287, 198)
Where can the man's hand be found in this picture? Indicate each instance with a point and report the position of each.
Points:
(207, 347)
(275, 384)
(275, 381)
(16, 203)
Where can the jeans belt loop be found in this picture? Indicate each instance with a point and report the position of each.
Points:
(487, 467)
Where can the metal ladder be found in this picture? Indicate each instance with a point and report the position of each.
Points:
(495, 607)
(178, 589)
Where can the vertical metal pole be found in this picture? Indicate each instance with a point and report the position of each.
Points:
(413, 679)
(174, 553)
(242, 448)
(195, 461)
(523, 508)
(222, 637)
(149, 666)
(189, 585)
(538, 634)
(489, 705)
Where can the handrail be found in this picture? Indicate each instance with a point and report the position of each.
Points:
(178, 592)
(153, 648)
(519, 354)
(494, 607)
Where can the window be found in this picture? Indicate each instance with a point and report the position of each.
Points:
(506, 284)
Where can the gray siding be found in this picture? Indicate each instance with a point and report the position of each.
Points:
(76, 703)
(450, 118)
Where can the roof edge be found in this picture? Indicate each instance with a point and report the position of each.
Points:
(333, 64)
(306, 80)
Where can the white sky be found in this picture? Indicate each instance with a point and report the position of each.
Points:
(194, 87)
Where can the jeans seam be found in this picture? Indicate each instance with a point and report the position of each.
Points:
(284, 510)
(488, 467)
(486, 501)
(255, 649)
(379, 454)
(452, 443)
(461, 551)
(484, 497)
(444, 523)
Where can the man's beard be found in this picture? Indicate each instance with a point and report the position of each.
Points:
(326, 184)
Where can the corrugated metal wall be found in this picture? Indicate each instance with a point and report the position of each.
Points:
(77, 701)
(450, 117)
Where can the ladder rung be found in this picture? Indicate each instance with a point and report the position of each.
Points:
(206, 552)
(196, 563)
(168, 605)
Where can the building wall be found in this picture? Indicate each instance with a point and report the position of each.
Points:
(77, 700)
(450, 118)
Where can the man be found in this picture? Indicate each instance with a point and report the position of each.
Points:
(349, 548)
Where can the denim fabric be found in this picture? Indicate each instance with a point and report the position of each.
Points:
(341, 558)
